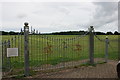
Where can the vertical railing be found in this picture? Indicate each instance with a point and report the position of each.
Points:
(26, 49)
(91, 45)
(8, 58)
(106, 49)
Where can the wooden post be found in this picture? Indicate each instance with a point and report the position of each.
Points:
(26, 49)
(91, 45)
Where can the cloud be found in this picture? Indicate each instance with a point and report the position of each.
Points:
(53, 16)
(105, 8)
(105, 13)
(64, 15)
(21, 16)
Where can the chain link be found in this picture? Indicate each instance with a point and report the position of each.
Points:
(102, 40)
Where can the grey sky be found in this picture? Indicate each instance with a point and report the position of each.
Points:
(60, 16)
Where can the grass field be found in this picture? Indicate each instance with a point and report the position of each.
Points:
(58, 48)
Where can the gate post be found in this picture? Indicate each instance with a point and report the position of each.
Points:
(106, 49)
(91, 45)
(26, 49)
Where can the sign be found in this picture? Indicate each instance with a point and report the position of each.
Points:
(12, 52)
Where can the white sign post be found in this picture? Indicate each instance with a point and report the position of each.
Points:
(12, 52)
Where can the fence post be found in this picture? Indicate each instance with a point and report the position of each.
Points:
(106, 49)
(26, 49)
(91, 45)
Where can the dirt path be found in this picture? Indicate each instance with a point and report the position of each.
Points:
(106, 70)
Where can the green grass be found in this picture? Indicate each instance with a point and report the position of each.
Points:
(58, 54)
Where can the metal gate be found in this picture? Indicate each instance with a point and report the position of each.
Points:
(37, 51)
(57, 51)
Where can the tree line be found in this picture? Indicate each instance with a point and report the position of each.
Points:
(61, 33)
(83, 32)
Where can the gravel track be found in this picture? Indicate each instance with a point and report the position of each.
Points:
(106, 70)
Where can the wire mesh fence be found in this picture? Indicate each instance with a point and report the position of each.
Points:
(14, 63)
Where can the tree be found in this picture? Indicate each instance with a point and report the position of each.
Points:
(109, 33)
(116, 33)
(11, 33)
(4, 33)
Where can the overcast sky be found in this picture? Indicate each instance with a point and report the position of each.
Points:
(59, 16)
